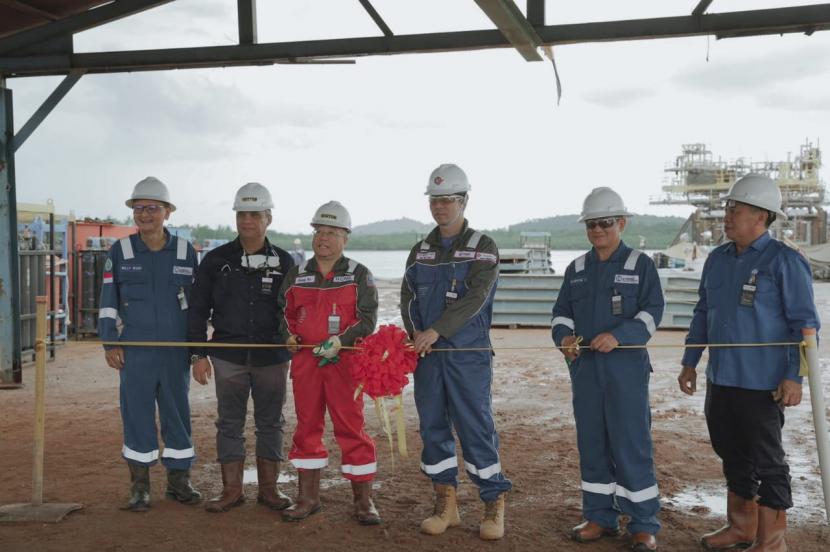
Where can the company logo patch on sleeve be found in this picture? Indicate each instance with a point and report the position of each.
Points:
(108, 265)
(487, 257)
(370, 280)
(107, 277)
(465, 255)
(626, 279)
(425, 255)
(183, 270)
(310, 279)
(343, 278)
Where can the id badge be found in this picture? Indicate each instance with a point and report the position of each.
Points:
(748, 295)
(334, 324)
(267, 282)
(616, 305)
(450, 297)
(182, 299)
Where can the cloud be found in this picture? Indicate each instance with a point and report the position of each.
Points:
(614, 98)
(806, 101)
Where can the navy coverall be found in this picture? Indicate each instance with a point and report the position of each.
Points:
(610, 390)
(149, 292)
(449, 287)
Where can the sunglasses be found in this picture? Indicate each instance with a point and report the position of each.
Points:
(149, 209)
(604, 223)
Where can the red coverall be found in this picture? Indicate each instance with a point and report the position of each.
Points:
(307, 298)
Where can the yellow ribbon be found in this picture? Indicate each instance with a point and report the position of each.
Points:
(383, 416)
(804, 367)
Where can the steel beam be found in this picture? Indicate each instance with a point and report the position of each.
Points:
(76, 23)
(45, 108)
(29, 9)
(746, 23)
(514, 26)
(10, 366)
(536, 12)
(373, 13)
(246, 10)
(701, 8)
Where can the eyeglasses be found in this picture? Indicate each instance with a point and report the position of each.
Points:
(151, 209)
(604, 223)
(445, 200)
(325, 233)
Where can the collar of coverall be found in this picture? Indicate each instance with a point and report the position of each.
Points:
(615, 256)
(342, 265)
(759, 244)
(167, 245)
(238, 244)
(434, 237)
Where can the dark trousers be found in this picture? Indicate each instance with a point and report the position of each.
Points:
(234, 384)
(745, 430)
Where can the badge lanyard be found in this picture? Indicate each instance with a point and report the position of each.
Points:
(748, 290)
(182, 297)
(616, 303)
(334, 320)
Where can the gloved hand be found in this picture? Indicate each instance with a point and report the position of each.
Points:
(328, 350)
(292, 343)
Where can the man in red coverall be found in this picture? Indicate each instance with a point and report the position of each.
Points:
(328, 301)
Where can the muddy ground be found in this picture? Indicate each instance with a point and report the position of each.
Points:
(531, 400)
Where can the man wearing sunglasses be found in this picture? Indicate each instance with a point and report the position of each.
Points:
(754, 289)
(611, 296)
(447, 303)
(147, 287)
(236, 289)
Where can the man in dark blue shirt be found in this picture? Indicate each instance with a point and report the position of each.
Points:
(754, 289)
(236, 288)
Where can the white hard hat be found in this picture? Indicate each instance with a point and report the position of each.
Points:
(603, 202)
(333, 214)
(447, 179)
(757, 190)
(253, 196)
(298, 241)
(151, 188)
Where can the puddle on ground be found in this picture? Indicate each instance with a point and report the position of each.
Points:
(708, 501)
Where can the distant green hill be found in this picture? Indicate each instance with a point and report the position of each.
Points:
(566, 233)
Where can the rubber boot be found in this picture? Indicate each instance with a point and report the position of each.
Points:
(308, 499)
(180, 489)
(269, 494)
(492, 522)
(139, 490)
(772, 526)
(232, 494)
(741, 525)
(445, 513)
(364, 508)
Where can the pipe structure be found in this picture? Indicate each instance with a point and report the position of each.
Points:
(819, 414)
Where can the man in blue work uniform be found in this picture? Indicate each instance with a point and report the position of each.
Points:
(754, 289)
(236, 289)
(611, 296)
(447, 302)
(147, 281)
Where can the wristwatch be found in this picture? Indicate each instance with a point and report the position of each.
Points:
(195, 358)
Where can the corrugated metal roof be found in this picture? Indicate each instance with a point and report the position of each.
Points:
(19, 15)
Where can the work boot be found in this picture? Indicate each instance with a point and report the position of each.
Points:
(364, 508)
(741, 525)
(589, 531)
(179, 487)
(232, 494)
(139, 490)
(445, 513)
(492, 523)
(268, 471)
(643, 542)
(772, 525)
(308, 499)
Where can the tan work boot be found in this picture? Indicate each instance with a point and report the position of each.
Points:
(772, 525)
(364, 508)
(590, 531)
(269, 494)
(741, 525)
(232, 494)
(492, 522)
(308, 498)
(445, 513)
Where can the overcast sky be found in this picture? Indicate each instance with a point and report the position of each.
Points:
(369, 134)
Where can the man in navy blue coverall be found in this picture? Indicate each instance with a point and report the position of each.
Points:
(611, 296)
